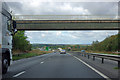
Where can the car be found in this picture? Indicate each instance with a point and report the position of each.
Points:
(83, 51)
(62, 52)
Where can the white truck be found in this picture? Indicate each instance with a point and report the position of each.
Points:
(8, 28)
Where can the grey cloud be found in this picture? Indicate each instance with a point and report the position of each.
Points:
(90, 36)
(65, 8)
(66, 37)
(16, 7)
(99, 8)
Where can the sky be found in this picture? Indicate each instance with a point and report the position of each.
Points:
(63, 8)
(90, 7)
(68, 37)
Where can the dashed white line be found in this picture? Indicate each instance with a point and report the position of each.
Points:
(19, 74)
(104, 76)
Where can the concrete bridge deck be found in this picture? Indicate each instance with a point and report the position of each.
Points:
(66, 22)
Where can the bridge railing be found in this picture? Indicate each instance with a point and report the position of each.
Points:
(65, 17)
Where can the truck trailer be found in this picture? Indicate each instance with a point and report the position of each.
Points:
(8, 28)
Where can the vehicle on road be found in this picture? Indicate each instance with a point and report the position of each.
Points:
(62, 52)
(8, 30)
(82, 50)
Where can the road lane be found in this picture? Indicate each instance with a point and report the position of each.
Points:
(60, 66)
(24, 64)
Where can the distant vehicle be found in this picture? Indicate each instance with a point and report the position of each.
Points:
(62, 52)
(82, 50)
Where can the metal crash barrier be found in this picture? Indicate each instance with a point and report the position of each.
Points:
(102, 56)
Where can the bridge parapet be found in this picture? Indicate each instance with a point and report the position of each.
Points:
(65, 17)
(66, 22)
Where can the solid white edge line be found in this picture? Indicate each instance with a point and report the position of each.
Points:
(104, 76)
(19, 74)
(69, 54)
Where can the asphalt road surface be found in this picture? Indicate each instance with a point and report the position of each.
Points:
(52, 65)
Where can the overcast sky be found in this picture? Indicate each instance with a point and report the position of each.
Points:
(68, 37)
(36, 7)
(64, 8)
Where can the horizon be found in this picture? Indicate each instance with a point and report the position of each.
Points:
(62, 44)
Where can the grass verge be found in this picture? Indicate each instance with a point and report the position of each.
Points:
(32, 53)
(25, 55)
(116, 68)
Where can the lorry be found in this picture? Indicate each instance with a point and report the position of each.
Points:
(8, 29)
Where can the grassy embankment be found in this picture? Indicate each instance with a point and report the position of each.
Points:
(36, 52)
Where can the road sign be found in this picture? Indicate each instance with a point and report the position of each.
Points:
(47, 48)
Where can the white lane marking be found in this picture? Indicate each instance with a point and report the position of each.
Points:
(104, 76)
(69, 54)
(19, 74)
(42, 62)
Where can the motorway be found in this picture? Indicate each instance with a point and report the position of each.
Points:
(54, 65)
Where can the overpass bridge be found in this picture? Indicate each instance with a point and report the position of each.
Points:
(66, 22)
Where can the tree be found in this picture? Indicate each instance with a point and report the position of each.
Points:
(20, 42)
(110, 43)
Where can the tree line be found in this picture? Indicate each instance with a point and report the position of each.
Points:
(111, 43)
(20, 42)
